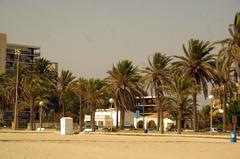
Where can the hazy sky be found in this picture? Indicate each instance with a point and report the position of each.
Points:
(88, 36)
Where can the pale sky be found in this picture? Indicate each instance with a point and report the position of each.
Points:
(88, 36)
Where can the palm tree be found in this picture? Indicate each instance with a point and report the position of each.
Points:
(198, 64)
(93, 96)
(231, 46)
(7, 89)
(179, 90)
(42, 67)
(123, 83)
(226, 84)
(33, 87)
(204, 114)
(16, 85)
(155, 76)
(64, 82)
(79, 89)
(234, 109)
(3, 94)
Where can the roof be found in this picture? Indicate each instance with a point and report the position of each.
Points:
(22, 45)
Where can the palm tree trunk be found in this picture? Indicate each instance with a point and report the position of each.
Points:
(93, 121)
(122, 116)
(117, 119)
(161, 120)
(31, 117)
(176, 122)
(158, 109)
(64, 111)
(92, 117)
(158, 118)
(62, 104)
(224, 109)
(81, 115)
(195, 119)
(179, 125)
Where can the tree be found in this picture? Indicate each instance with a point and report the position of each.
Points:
(48, 76)
(179, 90)
(234, 109)
(123, 83)
(204, 114)
(226, 84)
(231, 46)
(93, 97)
(33, 88)
(155, 76)
(79, 88)
(3, 94)
(64, 82)
(198, 64)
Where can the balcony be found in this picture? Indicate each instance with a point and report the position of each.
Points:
(24, 52)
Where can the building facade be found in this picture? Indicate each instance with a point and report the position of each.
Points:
(8, 57)
(147, 118)
(108, 118)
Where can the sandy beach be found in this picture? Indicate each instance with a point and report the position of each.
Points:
(96, 146)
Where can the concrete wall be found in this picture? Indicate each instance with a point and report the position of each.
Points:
(166, 121)
(3, 43)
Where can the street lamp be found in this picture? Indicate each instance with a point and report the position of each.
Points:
(111, 101)
(40, 114)
(17, 52)
(211, 98)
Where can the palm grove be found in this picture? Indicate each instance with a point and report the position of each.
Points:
(175, 81)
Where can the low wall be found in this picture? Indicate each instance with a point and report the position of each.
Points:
(51, 125)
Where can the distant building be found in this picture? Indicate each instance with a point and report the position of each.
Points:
(107, 118)
(8, 58)
(147, 108)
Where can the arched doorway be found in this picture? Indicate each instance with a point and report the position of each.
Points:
(140, 124)
(151, 124)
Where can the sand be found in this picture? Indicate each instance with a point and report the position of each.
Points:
(96, 146)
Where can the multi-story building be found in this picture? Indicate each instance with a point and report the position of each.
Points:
(9, 58)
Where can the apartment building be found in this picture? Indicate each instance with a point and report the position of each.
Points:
(8, 57)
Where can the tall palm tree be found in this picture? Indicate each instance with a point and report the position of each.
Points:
(79, 89)
(123, 83)
(42, 68)
(198, 64)
(93, 96)
(155, 76)
(19, 75)
(226, 84)
(231, 46)
(3, 94)
(179, 91)
(33, 92)
(7, 87)
(64, 82)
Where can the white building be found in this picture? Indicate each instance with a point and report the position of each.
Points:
(167, 123)
(108, 118)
